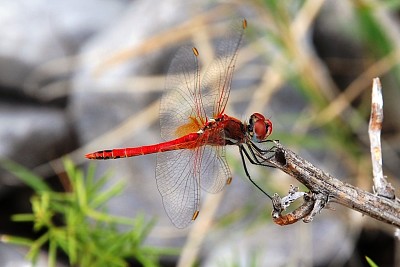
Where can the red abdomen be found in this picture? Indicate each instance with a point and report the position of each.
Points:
(184, 142)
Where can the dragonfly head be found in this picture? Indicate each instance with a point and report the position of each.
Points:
(259, 128)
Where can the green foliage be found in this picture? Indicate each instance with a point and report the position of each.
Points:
(87, 235)
(371, 262)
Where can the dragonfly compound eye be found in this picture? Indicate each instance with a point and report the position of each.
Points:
(259, 127)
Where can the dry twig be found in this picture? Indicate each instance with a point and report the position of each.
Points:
(381, 186)
(324, 188)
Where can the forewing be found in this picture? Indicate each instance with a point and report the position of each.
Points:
(216, 83)
(179, 109)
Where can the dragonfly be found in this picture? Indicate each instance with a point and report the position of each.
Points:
(197, 130)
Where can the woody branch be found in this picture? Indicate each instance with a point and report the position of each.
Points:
(324, 188)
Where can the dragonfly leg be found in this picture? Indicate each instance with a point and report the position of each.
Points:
(243, 152)
(258, 157)
(264, 151)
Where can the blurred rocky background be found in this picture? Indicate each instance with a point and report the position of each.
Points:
(80, 76)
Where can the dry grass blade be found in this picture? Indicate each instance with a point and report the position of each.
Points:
(381, 186)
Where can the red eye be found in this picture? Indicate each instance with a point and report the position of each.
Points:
(268, 125)
(259, 127)
(260, 130)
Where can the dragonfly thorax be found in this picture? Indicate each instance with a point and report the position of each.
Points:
(223, 130)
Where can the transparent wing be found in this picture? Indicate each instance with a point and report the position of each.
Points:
(178, 185)
(184, 107)
(186, 102)
(216, 83)
(180, 111)
(178, 175)
(215, 173)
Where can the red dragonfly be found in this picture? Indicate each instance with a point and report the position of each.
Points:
(192, 117)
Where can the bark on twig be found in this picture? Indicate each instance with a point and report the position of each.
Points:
(328, 188)
(280, 204)
(383, 206)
